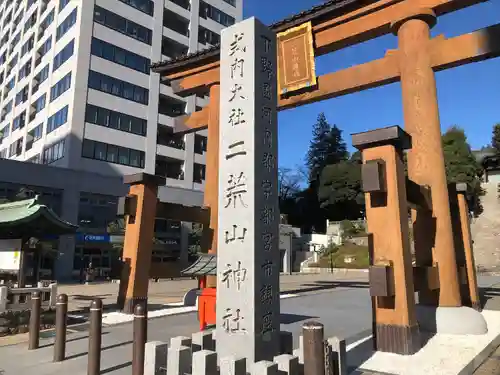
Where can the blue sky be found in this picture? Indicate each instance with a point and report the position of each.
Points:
(469, 96)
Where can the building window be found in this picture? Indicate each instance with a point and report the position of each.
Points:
(122, 25)
(175, 22)
(112, 153)
(198, 173)
(231, 2)
(115, 120)
(22, 95)
(145, 6)
(24, 71)
(200, 144)
(42, 51)
(37, 106)
(28, 46)
(45, 24)
(6, 110)
(4, 133)
(54, 152)
(206, 36)
(57, 119)
(64, 55)
(62, 4)
(186, 4)
(116, 87)
(37, 159)
(16, 148)
(120, 56)
(209, 11)
(19, 121)
(66, 24)
(34, 135)
(39, 78)
(31, 21)
(60, 87)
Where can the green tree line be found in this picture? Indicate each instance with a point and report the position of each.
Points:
(332, 177)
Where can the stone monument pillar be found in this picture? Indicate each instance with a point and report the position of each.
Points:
(248, 234)
(432, 230)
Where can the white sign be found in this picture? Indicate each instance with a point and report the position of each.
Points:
(10, 254)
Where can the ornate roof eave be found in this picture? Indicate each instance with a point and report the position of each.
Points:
(22, 213)
(205, 265)
(315, 14)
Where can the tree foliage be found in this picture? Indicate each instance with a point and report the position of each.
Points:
(495, 138)
(461, 165)
(327, 147)
(340, 191)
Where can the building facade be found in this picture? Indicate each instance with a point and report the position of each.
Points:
(77, 93)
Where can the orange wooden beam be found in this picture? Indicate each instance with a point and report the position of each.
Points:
(198, 82)
(374, 20)
(479, 45)
(193, 122)
(446, 53)
(360, 77)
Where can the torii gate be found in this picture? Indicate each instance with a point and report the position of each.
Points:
(335, 25)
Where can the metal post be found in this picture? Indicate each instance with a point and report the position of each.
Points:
(34, 332)
(95, 331)
(140, 333)
(61, 322)
(314, 360)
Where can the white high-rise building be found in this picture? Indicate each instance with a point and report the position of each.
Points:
(76, 89)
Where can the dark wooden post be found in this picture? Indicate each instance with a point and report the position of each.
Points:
(140, 338)
(61, 322)
(314, 348)
(95, 332)
(34, 332)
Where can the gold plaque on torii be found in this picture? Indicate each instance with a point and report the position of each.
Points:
(296, 68)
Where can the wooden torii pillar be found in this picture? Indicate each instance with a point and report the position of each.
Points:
(414, 64)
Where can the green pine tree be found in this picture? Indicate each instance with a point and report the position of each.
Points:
(327, 147)
(461, 165)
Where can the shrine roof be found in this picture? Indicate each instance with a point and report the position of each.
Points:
(206, 56)
(30, 218)
(206, 264)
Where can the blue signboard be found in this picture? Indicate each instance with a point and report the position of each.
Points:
(101, 238)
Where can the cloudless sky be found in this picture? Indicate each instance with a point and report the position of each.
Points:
(469, 96)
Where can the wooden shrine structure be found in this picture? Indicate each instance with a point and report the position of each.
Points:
(439, 274)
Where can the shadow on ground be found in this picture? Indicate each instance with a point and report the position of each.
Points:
(322, 285)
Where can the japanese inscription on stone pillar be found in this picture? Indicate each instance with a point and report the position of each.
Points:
(248, 235)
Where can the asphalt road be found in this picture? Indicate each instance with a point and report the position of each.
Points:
(345, 312)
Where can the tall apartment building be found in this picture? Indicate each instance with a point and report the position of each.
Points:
(76, 92)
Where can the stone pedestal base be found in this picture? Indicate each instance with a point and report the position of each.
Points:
(451, 320)
(397, 339)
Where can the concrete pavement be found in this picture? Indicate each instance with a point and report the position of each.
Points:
(169, 291)
(343, 306)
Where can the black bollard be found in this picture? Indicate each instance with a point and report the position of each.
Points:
(140, 334)
(61, 323)
(314, 359)
(95, 331)
(34, 332)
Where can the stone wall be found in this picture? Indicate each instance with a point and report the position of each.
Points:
(486, 230)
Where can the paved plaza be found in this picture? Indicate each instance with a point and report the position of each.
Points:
(341, 304)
